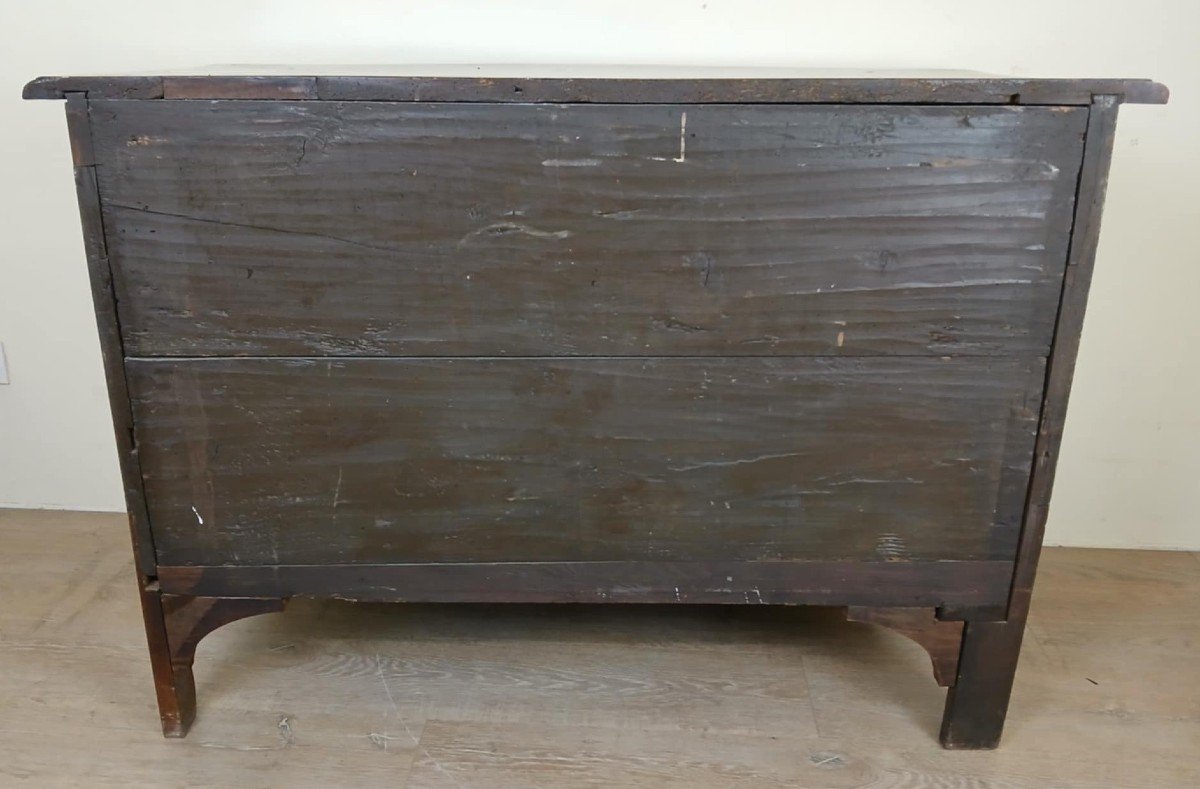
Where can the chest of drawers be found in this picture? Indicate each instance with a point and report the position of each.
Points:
(766, 341)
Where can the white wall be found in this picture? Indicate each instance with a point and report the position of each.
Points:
(1131, 459)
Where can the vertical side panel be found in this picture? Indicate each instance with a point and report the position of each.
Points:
(977, 703)
(111, 348)
(1081, 258)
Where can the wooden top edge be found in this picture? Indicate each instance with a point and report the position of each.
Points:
(568, 90)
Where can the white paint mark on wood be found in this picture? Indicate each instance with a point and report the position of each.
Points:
(571, 163)
(682, 157)
(891, 546)
(682, 138)
(196, 512)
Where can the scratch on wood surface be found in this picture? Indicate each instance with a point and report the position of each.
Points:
(738, 462)
(674, 324)
(966, 283)
(337, 490)
(512, 228)
(624, 214)
(285, 732)
(376, 737)
(247, 226)
(387, 689)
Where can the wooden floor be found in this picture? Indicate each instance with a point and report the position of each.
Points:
(337, 694)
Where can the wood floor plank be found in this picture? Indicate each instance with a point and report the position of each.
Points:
(332, 693)
(1099, 586)
(467, 754)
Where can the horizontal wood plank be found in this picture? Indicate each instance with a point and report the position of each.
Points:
(757, 90)
(315, 461)
(277, 228)
(286, 88)
(879, 583)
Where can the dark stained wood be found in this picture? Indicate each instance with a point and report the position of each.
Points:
(819, 90)
(941, 639)
(94, 87)
(977, 705)
(174, 626)
(1061, 366)
(811, 353)
(977, 702)
(757, 91)
(277, 88)
(253, 228)
(327, 461)
(873, 583)
(175, 691)
(111, 348)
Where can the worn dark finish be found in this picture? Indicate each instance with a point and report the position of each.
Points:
(443, 229)
(174, 626)
(108, 327)
(518, 349)
(94, 87)
(941, 639)
(977, 704)
(311, 461)
(869, 583)
(815, 90)
(277, 88)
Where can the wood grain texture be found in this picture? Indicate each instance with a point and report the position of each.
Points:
(941, 639)
(865, 583)
(813, 341)
(175, 625)
(111, 347)
(281, 88)
(314, 461)
(563, 696)
(851, 90)
(94, 87)
(293, 228)
(977, 704)
(1085, 237)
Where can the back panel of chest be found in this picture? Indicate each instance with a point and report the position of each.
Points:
(372, 334)
(318, 228)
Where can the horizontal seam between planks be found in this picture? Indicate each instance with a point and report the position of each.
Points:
(601, 357)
